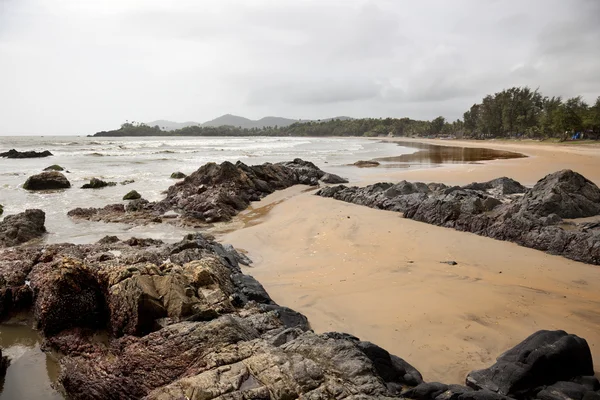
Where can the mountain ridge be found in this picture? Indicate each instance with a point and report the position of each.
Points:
(237, 121)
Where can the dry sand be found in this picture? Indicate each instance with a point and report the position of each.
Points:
(378, 276)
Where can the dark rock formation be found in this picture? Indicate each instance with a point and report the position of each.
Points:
(96, 183)
(1, 209)
(127, 181)
(178, 175)
(215, 192)
(184, 321)
(501, 209)
(4, 362)
(54, 167)
(544, 358)
(12, 153)
(20, 228)
(132, 195)
(47, 181)
(366, 164)
(333, 179)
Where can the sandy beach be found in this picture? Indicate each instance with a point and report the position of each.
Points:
(380, 277)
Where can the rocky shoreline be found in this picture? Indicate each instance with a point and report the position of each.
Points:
(182, 321)
(543, 217)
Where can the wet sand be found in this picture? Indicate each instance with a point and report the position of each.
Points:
(380, 277)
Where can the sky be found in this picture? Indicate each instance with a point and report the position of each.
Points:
(80, 66)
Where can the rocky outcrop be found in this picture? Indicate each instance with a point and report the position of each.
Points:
(12, 153)
(183, 321)
(214, 193)
(501, 209)
(132, 195)
(54, 167)
(47, 181)
(20, 228)
(96, 183)
(178, 175)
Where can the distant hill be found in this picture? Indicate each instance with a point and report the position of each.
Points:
(237, 121)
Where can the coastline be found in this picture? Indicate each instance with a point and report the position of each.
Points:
(378, 276)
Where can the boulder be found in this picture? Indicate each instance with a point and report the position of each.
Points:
(542, 359)
(66, 295)
(366, 164)
(132, 195)
(96, 183)
(333, 179)
(54, 167)
(20, 228)
(1, 209)
(564, 193)
(25, 154)
(47, 181)
(127, 181)
(178, 175)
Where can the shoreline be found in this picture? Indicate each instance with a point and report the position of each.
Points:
(378, 276)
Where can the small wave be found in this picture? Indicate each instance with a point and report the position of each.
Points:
(165, 152)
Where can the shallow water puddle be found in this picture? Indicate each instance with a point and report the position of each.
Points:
(31, 372)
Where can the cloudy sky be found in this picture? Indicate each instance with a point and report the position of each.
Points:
(79, 66)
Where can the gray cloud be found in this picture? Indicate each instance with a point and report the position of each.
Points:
(74, 67)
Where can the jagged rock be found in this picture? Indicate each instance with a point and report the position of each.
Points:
(96, 183)
(496, 209)
(47, 181)
(132, 195)
(501, 186)
(12, 153)
(564, 193)
(568, 390)
(178, 175)
(54, 167)
(542, 359)
(20, 228)
(333, 179)
(66, 294)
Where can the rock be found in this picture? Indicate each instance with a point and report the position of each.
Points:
(449, 262)
(4, 363)
(565, 390)
(503, 186)
(66, 295)
(564, 193)
(54, 167)
(1, 209)
(393, 370)
(178, 175)
(333, 179)
(20, 228)
(96, 183)
(47, 181)
(132, 195)
(542, 359)
(25, 154)
(127, 181)
(366, 164)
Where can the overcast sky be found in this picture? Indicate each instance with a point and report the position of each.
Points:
(80, 66)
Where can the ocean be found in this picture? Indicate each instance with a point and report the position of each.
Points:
(149, 162)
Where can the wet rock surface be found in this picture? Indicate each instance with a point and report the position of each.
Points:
(54, 167)
(96, 183)
(214, 193)
(182, 321)
(501, 209)
(132, 195)
(47, 181)
(20, 228)
(12, 153)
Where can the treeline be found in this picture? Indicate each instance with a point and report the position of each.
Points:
(511, 113)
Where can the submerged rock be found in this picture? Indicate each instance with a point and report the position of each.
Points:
(12, 153)
(366, 164)
(132, 195)
(20, 228)
(178, 175)
(96, 183)
(4, 362)
(54, 167)
(47, 181)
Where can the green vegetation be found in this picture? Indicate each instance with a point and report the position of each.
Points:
(512, 113)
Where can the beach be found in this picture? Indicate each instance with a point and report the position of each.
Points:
(383, 278)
